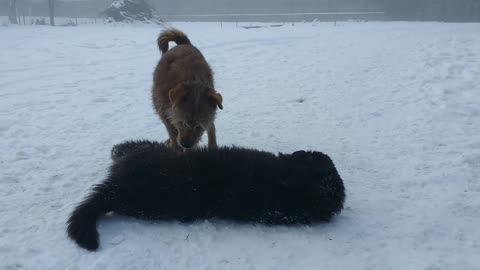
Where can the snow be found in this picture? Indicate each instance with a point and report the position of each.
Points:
(118, 4)
(396, 106)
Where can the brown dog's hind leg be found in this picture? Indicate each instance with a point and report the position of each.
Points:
(212, 137)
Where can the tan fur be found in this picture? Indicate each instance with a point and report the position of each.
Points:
(183, 92)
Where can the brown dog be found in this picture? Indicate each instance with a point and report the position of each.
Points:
(183, 92)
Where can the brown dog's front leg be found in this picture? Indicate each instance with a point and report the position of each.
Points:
(172, 144)
(172, 141)
(212, 137)
(172, 134)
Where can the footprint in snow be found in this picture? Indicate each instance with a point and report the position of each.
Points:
(100, 100)
(117, 240)
(21, 155)
(300, 100)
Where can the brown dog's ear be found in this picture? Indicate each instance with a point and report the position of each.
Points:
(217, 98)
(177, 94)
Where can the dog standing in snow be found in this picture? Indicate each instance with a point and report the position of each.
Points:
(152, 181)
(183, 92)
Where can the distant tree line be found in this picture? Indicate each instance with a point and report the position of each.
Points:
(428, 10)
(433, 10)
(16, 8)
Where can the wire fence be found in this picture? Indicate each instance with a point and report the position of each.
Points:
(276, 17)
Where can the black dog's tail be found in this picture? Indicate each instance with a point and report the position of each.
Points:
(174, 35)
(82, 224)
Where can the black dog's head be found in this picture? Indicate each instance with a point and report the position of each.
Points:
(313, 184)
(309, 160)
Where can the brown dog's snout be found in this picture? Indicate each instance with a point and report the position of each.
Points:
(189, 137)
(186, 144)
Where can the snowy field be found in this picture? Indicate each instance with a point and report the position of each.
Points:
(396, 106)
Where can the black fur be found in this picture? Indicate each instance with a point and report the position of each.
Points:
(120, 150)
(148, 180)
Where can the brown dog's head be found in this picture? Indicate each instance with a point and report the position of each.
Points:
(193, 108)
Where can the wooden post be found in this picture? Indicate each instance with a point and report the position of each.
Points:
(51, 10)
(12, 12)
(335, 10)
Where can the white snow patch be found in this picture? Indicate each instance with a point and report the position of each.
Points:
(396, 106)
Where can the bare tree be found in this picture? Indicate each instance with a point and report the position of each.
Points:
(51, 9)
(12, 12)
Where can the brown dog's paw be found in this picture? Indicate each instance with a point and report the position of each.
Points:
(174, 145)
(171, 143)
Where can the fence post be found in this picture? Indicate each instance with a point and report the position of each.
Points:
(12, 12)
(51, 10)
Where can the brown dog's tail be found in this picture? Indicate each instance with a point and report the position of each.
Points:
(174, 35)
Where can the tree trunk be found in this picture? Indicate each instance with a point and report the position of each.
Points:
(12, 12)
(51, 10)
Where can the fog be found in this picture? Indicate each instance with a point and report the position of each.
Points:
(270, 10)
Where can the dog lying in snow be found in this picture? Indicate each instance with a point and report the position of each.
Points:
(150, 180)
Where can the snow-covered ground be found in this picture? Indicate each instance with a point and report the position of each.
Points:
(396, 106)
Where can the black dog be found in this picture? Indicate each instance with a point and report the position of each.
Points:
(122, 149)
(148, 180)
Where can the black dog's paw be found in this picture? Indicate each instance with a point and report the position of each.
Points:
(84, 237)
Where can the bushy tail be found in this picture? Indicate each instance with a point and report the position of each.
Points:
(174, 35)
(82, 224)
